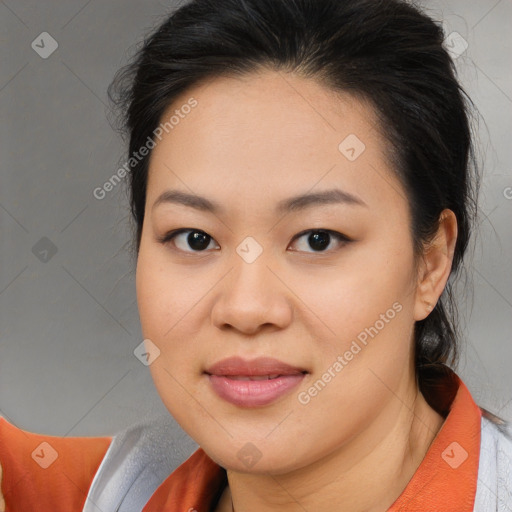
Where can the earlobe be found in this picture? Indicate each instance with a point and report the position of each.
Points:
(436, 265)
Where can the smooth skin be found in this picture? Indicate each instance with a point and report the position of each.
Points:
(250, 143)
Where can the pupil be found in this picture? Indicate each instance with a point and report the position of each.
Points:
(198, 240)
(319, 240)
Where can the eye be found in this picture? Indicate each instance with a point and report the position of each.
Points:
(319, 239)
(188, 238)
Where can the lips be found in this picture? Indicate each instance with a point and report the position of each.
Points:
(253, 383)
(259, 367)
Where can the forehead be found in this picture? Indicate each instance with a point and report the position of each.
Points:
(269, 135)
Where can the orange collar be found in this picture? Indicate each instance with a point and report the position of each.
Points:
(445, 481)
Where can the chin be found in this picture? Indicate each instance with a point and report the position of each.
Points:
(256, 459)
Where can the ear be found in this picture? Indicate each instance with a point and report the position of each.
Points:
(435, 266)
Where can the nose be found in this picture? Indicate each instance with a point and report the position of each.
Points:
(251, 298)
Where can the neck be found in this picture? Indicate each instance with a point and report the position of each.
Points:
(368, 473)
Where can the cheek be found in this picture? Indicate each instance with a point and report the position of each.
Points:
(172, 303)
(347, 298)
(363, 314)
(362, 349)
(166, 310)
(161, 303)
(164, 295)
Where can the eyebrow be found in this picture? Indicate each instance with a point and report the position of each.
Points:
(292, 204)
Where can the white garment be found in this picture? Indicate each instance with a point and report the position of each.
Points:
(494, 485)
(137, 461)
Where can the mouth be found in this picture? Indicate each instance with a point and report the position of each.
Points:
(253, 383)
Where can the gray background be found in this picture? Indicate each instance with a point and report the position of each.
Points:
(69, 325)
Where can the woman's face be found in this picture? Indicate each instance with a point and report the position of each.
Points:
(256, 280)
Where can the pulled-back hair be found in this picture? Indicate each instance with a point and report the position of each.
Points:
(387, 52)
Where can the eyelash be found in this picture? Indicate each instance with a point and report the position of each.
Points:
(168, 237)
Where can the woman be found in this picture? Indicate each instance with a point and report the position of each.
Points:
(303, 189)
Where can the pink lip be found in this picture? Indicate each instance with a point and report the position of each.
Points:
(253, 393)
(258, 366)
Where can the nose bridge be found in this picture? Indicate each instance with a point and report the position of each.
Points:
(251, 296)
(250, 275)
